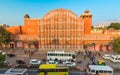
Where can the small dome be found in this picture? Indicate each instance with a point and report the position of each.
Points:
(26, 16)
(86, 11)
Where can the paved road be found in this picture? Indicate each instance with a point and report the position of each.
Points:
(42, 54)
(77, 73)
(34, 72)
(2, 71)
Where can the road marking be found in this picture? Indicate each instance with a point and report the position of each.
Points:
(76, 72)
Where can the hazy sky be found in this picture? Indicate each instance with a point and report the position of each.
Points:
(12, 11)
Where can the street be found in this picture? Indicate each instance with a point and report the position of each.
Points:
(34, 72)
(42, 54)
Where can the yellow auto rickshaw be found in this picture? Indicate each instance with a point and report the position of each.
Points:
(101, 62)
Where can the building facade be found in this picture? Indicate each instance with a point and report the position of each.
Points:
(58, 29)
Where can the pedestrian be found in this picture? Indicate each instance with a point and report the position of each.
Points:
(92, 59)
(84, 57)
(97, 73)
(95, 53)
(78, 52)
(88, 64)
(93, 63)
(29, 52)
(29, 55)
(24, 51)
(99, 54)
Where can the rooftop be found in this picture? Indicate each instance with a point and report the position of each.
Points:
(60, 52)
(97, 67)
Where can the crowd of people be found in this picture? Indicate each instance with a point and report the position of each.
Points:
(89, 56)
(29, 52)
(92, 56)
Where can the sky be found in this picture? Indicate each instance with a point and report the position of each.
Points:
(13, 11)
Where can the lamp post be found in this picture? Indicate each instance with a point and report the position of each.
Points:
(39, 35)
(39, 42)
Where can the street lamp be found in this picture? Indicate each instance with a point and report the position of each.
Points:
(39, 42)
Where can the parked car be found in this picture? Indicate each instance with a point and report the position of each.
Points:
(106, 56)
(11, 55)
(52, 62)
(70, 64)
(35, 62)
(20, 61)
(115, 58)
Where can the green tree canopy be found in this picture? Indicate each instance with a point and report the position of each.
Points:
(4, 36)
(114, 26)
(2, 59)
(116, 45)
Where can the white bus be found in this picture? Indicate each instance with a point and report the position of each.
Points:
(99, 70)
(60, 55)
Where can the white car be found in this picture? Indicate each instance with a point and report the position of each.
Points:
(107, 56)
(115, 58)
(52, 62)
(69, 63)
(35, 62)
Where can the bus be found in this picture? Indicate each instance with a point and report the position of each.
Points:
(99, 70)
(60, 55)
(52, 69)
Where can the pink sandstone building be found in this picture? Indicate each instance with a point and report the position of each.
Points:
(60, 29)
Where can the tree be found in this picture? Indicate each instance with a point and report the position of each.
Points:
(4, 36)
(116, 44)
(92, 27)
(2, 59)
(115, 26)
